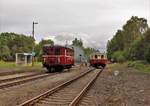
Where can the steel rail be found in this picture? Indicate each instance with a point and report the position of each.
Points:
(20, 77)
(85, 89)
(13, 83)
(51, 91)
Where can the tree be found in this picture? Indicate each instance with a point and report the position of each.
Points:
(129, 39)
(88, 51)
(134, 28)
(116, 44)
(147, 38)
(147, 54)
(147, 45)
(118, 56)
(4, 52)
(39, 46)
(77, 42)
(136, 51)
(11, 43)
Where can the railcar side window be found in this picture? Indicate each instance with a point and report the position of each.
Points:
(51, 51)
(102, 56)
(48, 51)
(96, 56)
(57, 51)
(45, 50)
(68, 52)
(72, 53)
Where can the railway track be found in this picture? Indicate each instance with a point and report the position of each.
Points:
(5, 83)
(67, 94)
(12, 72)
(13, 81)
(15, 77)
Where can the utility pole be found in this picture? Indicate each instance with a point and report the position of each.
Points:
(66, 43)
(33, 52)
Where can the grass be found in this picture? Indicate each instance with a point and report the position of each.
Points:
(116, 66)
(13, 65)
(141, 66)
(7, 64)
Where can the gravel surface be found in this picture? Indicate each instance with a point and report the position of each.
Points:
(16, 75)
(128, 88)
(65, 95)
(4, 72)
(18, 94)
(18, 70)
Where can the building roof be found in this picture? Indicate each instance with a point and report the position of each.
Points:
(26, 54)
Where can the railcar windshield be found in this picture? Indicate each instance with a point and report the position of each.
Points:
(57, 51)
(51, 51)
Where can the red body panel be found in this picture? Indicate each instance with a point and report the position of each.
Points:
(98, 61)
(58, 60)
(64, 58)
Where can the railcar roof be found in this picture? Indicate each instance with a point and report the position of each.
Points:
(57, 46)
(98, 53)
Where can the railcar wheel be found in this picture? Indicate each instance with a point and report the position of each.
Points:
(100, 67)
(104, 65)
(59, 68)
(51, 69)
(69, 66)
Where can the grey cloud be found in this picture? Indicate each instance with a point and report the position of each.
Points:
(87, 19)
(64, 36)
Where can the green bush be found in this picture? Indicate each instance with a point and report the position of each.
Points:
(119, 56)
(147, 55)
(136, 63)
(141, 66)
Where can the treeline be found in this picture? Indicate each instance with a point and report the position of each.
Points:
(12, 43)
(132, 42)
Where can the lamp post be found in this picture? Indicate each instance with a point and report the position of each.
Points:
(33, 53)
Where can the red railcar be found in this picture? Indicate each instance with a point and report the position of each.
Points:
(56, 58)
(98, 59)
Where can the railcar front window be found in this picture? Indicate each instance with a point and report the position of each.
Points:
(102, 56)
(51, 51)
(48, 51)
(57, 51)
(45, 51)
(95, 56)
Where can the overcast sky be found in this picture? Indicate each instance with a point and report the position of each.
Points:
(94, 21)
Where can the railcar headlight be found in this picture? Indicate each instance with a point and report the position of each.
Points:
(44, 59)
(58, 60)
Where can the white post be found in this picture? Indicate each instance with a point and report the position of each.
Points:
(16, 58)
(31, 59)
(26, 60)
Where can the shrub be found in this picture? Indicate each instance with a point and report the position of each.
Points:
(147, 55)
(119, 56)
